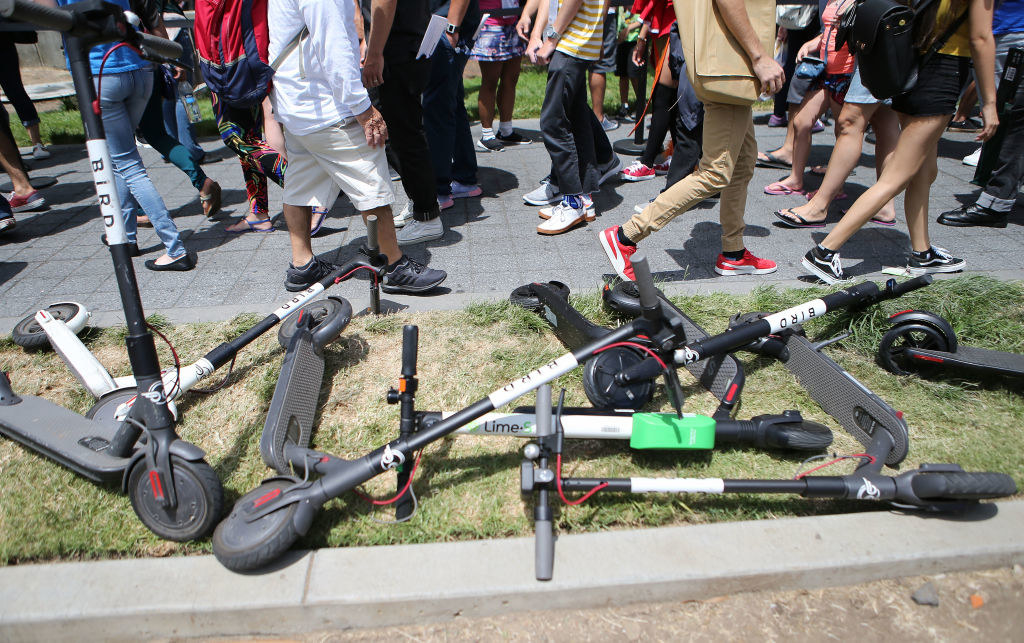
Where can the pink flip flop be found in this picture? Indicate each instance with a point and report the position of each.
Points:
(778, 189)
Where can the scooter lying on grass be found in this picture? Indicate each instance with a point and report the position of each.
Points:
(922, 341)
(173, 490)
(29, 333)
(268, 520)
(932, 487)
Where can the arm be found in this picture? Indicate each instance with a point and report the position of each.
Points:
(811, 46)
(537, 37)
(983, 51)
(566, 13)
(360, 31)
(526, 19)
(456, 12)
(640, 48)
(382, 15)
(769, 73)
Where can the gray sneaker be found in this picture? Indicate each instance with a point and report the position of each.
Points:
(546, 194)
(410, 276)
(420, 232)
(610, 169)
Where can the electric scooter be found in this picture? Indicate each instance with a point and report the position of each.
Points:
(172, 489)
(268, 520)
(922, 341)
(28, 333)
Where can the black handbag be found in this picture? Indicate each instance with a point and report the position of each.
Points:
(881, 34)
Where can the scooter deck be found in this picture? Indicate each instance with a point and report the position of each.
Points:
(859, 411)
(975, 359)
(293, 406)
(78, 443)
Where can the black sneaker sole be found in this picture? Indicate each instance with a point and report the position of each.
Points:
(400, 290)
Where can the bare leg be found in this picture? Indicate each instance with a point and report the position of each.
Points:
(597, 87)
(917, 143)
(490, 71)
(33, 134)
(507, 90)
(801, 124)
(10, 160)
(785, 151)
(887, 132)
(297, 217)
(967, 102)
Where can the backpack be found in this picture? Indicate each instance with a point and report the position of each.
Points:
(232, 39)
(882, 34)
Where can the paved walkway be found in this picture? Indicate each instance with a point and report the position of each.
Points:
(490, 246)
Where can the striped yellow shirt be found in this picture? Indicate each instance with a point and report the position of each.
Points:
(582, 38)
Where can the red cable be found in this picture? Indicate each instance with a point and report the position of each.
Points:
(561, 494)
(634, 345)
(346, 275)
(99, 78)
(871, 458)
(177, 361)
(400, 493)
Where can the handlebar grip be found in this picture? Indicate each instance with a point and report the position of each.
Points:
(371, 233)
(894, 289)
(410, 342)
(47, 17)
(648, 369)
(159, 46)
(543, 411)
(544, 549)
(644, 281)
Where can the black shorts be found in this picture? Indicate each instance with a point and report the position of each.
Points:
(624, 66)
(938, 87)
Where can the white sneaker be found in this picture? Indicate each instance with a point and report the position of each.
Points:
(972, 159)
(544, 195)
(640, 207)
(420, 231)
(565, 216)
(39, 152)
(405, 216)
(590, 215)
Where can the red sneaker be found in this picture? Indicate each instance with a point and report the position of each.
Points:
(30, 201)
(661, 169)
(618, 254)
(638, 172)
(748, 265)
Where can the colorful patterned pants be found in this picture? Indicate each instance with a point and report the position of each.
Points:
(241, 129)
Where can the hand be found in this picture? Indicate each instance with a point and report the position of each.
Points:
(374, 128)
(531, 49)
(362, 52)
(806, 49)
(769, 73)
(523, 27)
(990, 118)
(639, 53)
(453, 38)
(622, 35)
(546, 50)
(373, 69)
(178, 73)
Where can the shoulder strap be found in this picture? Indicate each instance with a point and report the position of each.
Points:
(940, 42)
(289, 48)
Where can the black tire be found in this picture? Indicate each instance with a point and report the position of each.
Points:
(524, 297)
(200, 500)
(244, 546)
(322, 310)
(105, 407)
(29, 334)
(601, 388)
(910, 335)
(623, 298)
(962, 485)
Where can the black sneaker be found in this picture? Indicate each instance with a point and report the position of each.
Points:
(410, 276)
(515, 138)
(825, 266)
(301, 278)
(490, 145)
(934, 260)
(974, 215)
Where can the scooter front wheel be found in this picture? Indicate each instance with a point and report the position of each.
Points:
(200, 500)
(910, 335)
(29, 334)
(242, 545)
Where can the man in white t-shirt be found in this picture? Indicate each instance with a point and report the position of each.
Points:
(334, 138)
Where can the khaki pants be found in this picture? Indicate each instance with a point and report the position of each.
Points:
(727, 165)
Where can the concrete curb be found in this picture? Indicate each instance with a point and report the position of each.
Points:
(367, 587)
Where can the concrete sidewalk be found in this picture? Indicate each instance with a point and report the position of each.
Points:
(372, 587)
(490, 246)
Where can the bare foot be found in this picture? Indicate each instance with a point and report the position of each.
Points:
(810, 214)
(209, 196)
(251, 224)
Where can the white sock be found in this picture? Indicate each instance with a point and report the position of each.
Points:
(487, 132)
(505, 128)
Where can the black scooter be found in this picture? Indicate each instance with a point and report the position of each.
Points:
(922, 341)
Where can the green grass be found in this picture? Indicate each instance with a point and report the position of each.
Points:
(468, 487)
(65, 125)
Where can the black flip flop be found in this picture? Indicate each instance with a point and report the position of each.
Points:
(773, 161)
(802, 223)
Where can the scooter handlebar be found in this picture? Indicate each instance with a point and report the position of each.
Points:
(644, 282)
(894, 289)
(46, 17)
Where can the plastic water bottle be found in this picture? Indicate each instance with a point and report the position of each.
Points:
(188, 99)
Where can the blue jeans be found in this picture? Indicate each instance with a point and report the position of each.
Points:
(446, 121)
(123, 99)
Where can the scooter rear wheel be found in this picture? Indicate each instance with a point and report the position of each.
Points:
(910, 335)
(323, 311)
(524, 297)
(601, 388)
(241, 545)
(200, 500)
(29, 334)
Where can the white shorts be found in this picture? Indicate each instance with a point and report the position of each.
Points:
(336, 159)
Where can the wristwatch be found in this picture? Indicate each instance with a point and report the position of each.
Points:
(452, 28)
(551, 34)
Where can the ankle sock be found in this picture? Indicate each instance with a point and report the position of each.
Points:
(623, 239)
(825, 252)
(922, 255)
(486, 133)
(734, 255)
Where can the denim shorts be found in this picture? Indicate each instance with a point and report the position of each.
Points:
(859, 94)
(938, 87)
